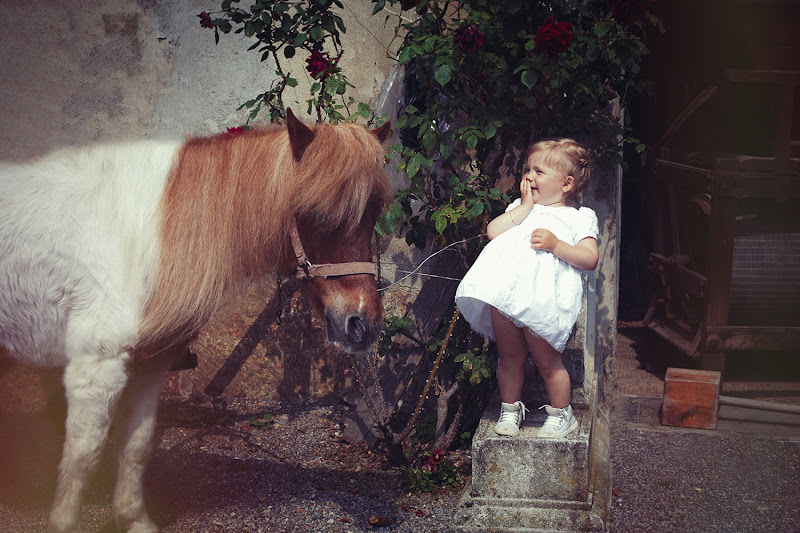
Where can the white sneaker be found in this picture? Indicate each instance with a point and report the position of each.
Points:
(511, 416)
(559, 423)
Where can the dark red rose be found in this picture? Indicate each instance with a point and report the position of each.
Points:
(629, 11)
(319, 65)
(233, 132)
(408, 4)
(469, 38)
(205, 20)
(554, 38)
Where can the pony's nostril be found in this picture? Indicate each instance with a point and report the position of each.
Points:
(356, 329)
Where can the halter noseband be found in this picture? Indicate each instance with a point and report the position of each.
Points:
(306, 270)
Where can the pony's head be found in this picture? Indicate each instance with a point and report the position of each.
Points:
(341, 191)
(228, 208)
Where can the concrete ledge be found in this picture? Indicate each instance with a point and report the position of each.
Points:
(526, 484)
(528, 467)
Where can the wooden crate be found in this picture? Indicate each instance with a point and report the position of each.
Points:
(691, 398)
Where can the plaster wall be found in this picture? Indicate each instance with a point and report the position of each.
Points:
(76, 72)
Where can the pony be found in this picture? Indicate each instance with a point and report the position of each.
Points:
(112, 257)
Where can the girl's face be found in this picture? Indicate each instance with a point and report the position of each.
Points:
(548, 185)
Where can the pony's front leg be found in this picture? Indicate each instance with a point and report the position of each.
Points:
(93, 385)
(137, 430)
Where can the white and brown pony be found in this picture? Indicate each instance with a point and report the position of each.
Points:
(113, 257)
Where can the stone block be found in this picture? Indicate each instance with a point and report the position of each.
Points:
(527, 467)
(528, 484)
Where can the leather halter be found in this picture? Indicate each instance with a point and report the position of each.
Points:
(306, 270)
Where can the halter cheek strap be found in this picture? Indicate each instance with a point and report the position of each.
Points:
(306, 270)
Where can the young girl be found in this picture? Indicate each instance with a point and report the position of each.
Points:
(525, 289)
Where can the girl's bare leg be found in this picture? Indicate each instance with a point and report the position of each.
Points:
(512, 350)
(548, 361)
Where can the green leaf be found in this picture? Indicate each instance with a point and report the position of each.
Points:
(413, 165)
(429, 139)
(288, 52)
(388, 223)
(442, 75)
(405, 55)
(529, 78)
(475, 210)
(446, 149)
(602, 28)
(440, 224)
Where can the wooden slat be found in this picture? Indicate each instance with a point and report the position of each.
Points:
(758, 185)
(763, 76)
(752, 338)
(722, 228)
(673, 337)
(682, 278)
(684, 176)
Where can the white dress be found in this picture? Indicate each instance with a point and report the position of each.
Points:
(533, 288)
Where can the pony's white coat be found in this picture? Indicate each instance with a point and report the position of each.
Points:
(80, 230)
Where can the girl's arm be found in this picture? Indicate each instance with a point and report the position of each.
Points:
(507, 220)
(583, 255)
(512, 218)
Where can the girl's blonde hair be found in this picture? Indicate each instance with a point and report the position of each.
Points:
(567, 156)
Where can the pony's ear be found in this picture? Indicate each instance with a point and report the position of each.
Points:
(300, 135)
(383, 133)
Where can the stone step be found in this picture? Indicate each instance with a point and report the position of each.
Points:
(528, 467)
(532, 484)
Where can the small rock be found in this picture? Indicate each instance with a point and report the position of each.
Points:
(381, 521)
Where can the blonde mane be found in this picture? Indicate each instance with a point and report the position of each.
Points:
(227, 207)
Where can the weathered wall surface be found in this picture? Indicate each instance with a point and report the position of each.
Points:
(74, 72)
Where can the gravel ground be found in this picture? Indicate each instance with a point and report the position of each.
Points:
(220, 467)
(700, 481)
(217, 468)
